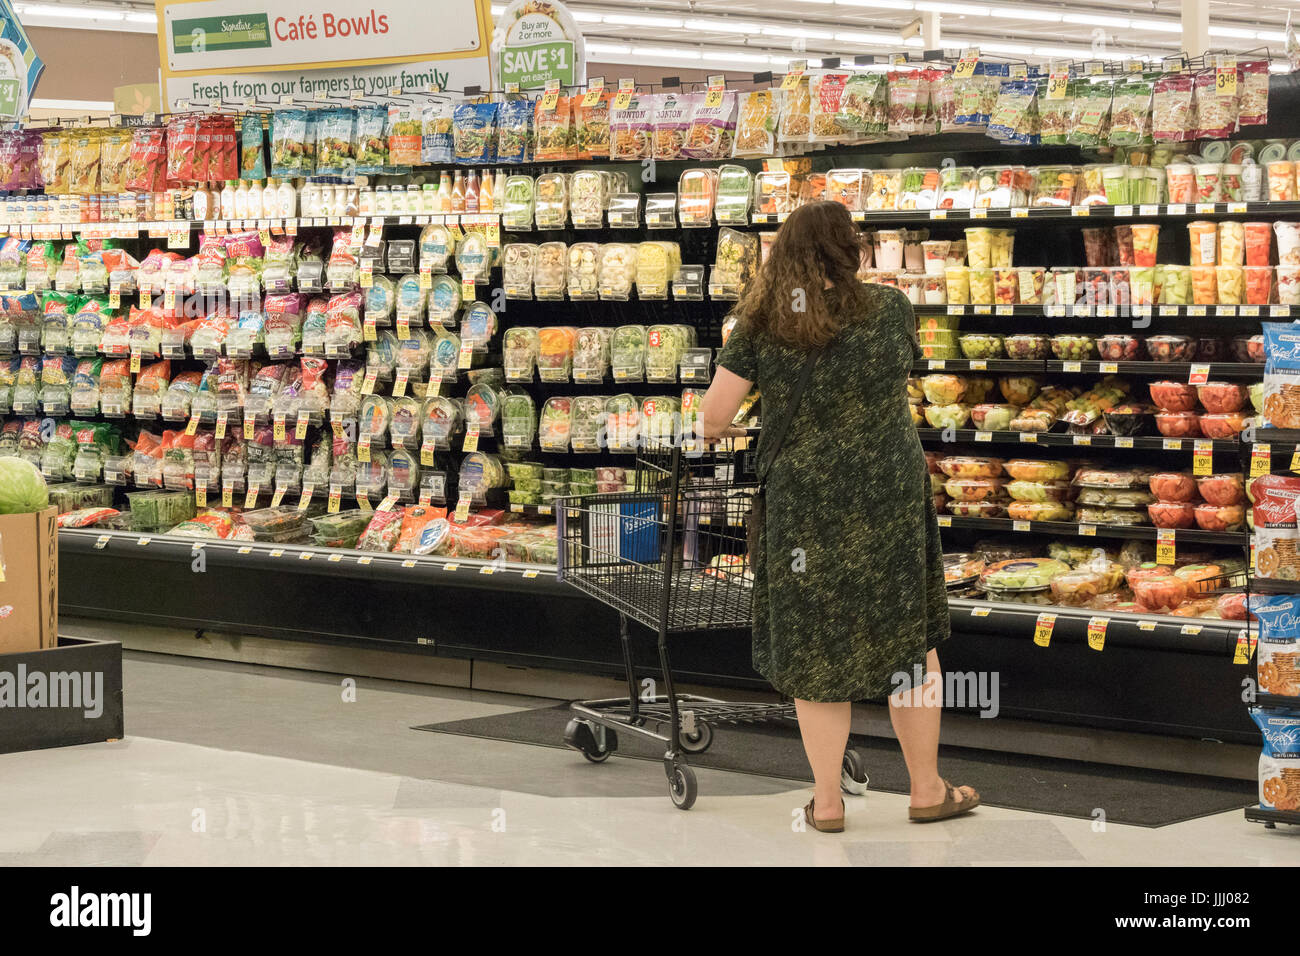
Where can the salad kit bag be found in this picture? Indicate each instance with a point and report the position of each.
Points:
(758, 504)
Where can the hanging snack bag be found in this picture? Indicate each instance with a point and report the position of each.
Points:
(591, 125)
(713, 128)
(554, 130)
(405, 132)
(515, 139)
(1281, 398)
(1216, 112)
(1090, 113)
(1131, 113)
(796, 114)
(475, 133)
(1278, 651)
(671, 120)
(371, 140)
(1171, 108)
(436, 141)
(826, 93)
(114, 157)
(630, 128)
(1252, 79)
(756, 125)
(252, 154)
(146, 168)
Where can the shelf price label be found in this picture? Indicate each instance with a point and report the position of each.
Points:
(1261, 460)
(1225, 79)
(1043, 626)
(626, 87)
(1202, 457)
(250, 427)
(551, 98)
(200, 496)
(305, 496)
(192, 426)
(277, 496)
(335, 499)
(1244, 650)
(363, 449)
(1097, 632)
(227, 496)
(300, 430)
(793, 74)
(1056, 85)
(426, 454)
(250, 498)
(471, 438)
(1165, 546)
(277, 428)
(595, 87)
(462, 510)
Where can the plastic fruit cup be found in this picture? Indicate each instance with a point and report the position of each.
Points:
(1142, 285)
(1119, 348)
(936, 255)
(1124, 244)
(956, 253)
(1096, 246)
(1204, 238)
(1175, 285)
(1281, 181)
(1173, 396)
(1209, 182)
(1162, 592)
(1171, 514)
(979, 247)
(1204, 291)
(1181, 181)
(1231, 182)
(1288, 243)
(1222, 397)
(936, 290)
(1115, 179)
(1232, 243)
(1146, 237)
(1259, 284)
(958, 285)
(1173, 486)
(1096, 286)
(1288, 285)
(909, 283)
(1226, 426)
(1002, 248)
(1066, 281)
(1178, 424)
(1006, 283)
(1258, 238)
(1231, 283)
(889, 249)
(1031, 282)
(981, 286)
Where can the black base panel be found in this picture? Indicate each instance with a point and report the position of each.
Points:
(1071, 788)
(38, 728)
(1120, 688)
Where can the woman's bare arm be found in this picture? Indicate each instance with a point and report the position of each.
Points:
(721, 402)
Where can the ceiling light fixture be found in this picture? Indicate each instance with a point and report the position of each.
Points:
(723, 26)
(637, 20)
(958, 9)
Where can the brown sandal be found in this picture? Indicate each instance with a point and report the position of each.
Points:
(949, 808)
(835, 825)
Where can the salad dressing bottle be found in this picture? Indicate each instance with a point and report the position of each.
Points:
(228, 200)
(253, 205)
(241, 201)
(485, 195)
(202, 203)
(444, 192)
(457, 194)
(471, 192)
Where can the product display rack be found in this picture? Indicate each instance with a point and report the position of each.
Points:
(1157, 637)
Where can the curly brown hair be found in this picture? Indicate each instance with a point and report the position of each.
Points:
(789, 299)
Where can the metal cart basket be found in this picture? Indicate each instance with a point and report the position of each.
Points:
(669, 552)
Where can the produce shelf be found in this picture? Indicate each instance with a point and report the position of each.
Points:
(1115, 311)
(160, 229)
(1082, 213)
(1173, 371)
(1272, 586)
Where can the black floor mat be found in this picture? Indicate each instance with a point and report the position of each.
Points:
(1071, 788)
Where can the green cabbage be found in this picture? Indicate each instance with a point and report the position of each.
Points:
(22, 487)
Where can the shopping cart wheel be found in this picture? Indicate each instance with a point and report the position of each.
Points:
(682, 788)
(595, 743)
(699, 741)
(853, 773)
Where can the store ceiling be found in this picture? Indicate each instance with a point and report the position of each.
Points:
(679, 31)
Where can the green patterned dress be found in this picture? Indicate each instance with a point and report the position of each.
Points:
(848, 582)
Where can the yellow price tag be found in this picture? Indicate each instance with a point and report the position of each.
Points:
(626, 88)
(1261, 460)
(192, 427)
(965, 68)
(201, 496)
(1165, 546)
(466, 357)
(368, 384)
(551, 98)
(115, 298)
(467, 292)
(1244, 650)
(1043, 629)
(1097, 632)
(426, 280)
(367, 278)
(277, 428)
(595, 88)
(1295, 460)
(1057, 84)
(278, 496)
(792, 77)
(135, 362)
(363, 450)
(304, 419)
(399, 383)
(336, 498)
(1202, 457)
(221, 426)
(1225, 81)
(471, 439)
(363, 502)
(227, 496)
(462, 510)
(250, 499)
(250, 427)
(426, 454)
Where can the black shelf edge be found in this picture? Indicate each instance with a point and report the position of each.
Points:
(1112, 312)
(1072, 529)
(336, 562)
(1277, 701)
(1065, 440)
(1174, 371)
(1272, 817)
(1083, 214)
(1161, 632)
(1271, 586)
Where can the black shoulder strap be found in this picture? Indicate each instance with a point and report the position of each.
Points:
(779, 429)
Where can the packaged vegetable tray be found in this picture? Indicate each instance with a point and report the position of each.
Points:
(157, 510)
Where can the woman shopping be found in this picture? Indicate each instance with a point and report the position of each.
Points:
(848, 574)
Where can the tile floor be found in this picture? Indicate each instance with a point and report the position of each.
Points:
(229, 764)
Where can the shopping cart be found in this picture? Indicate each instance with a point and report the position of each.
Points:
(669, 552)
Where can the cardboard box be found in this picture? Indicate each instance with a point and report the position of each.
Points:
(29, 593)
